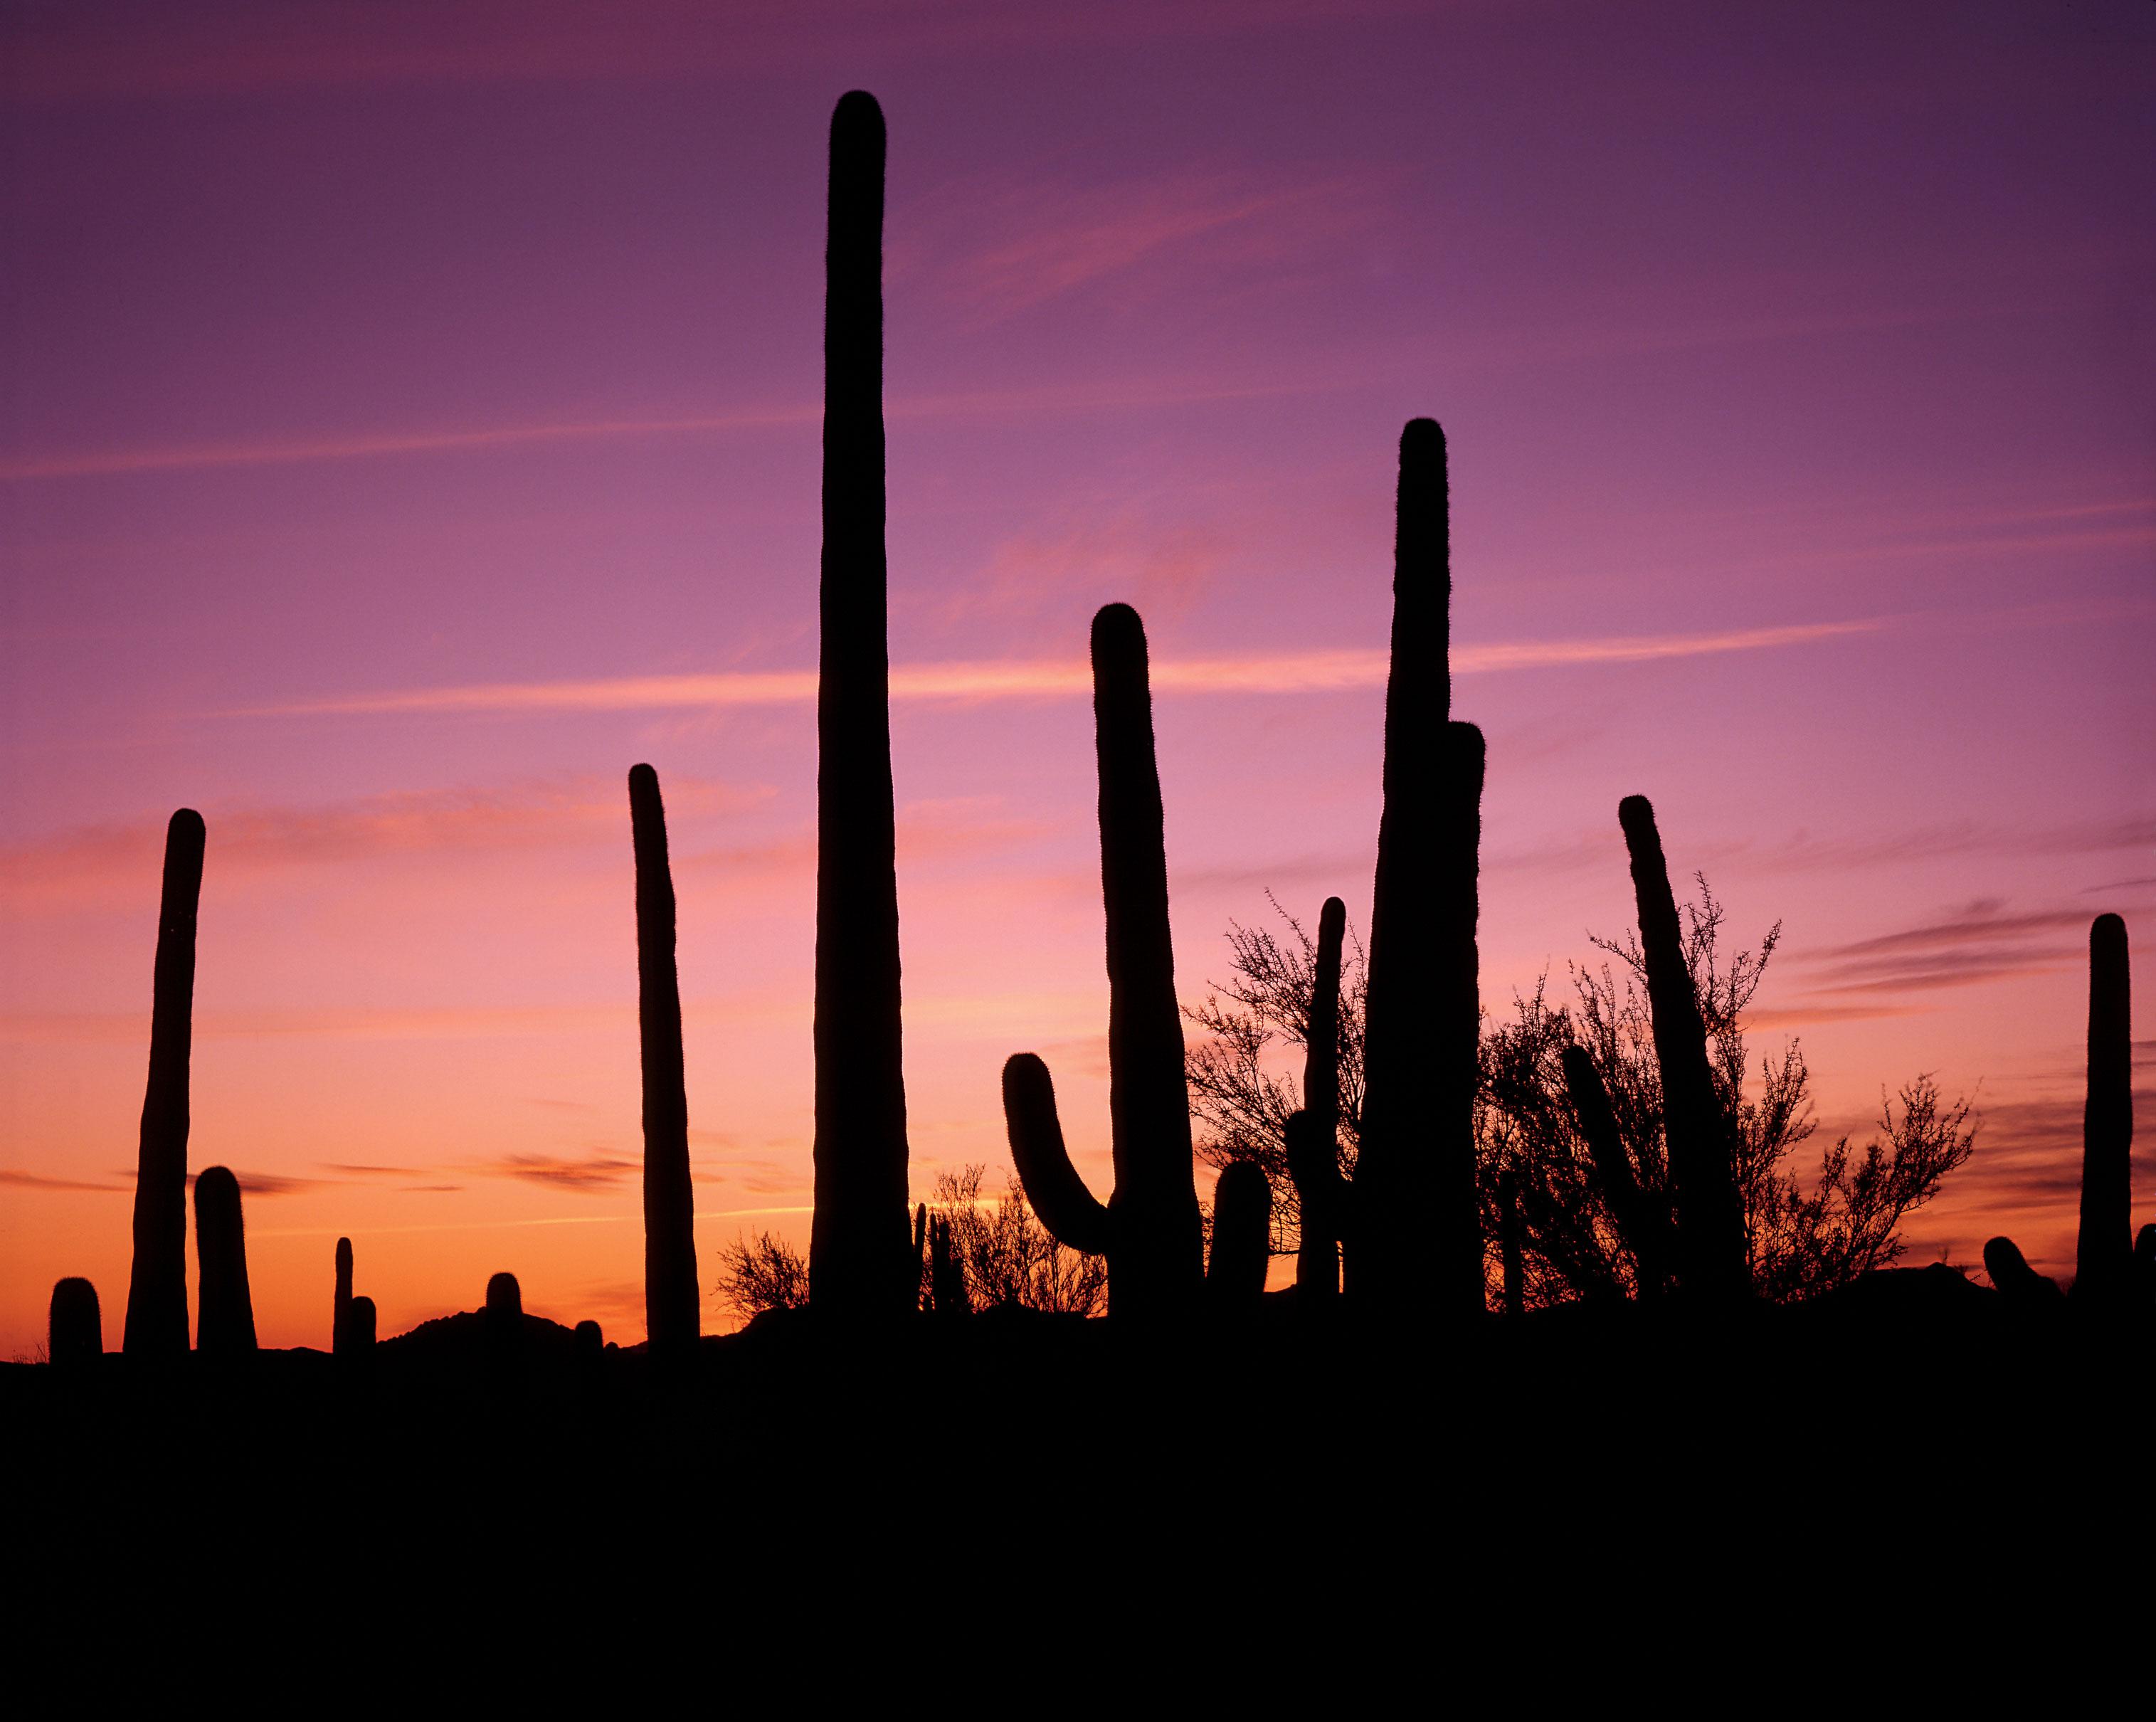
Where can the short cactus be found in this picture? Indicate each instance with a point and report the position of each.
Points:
(359, 1328)
(2016, 1281)
(224, 1319)
(74, 1326)
(1150, 1229)
(157, 1284)
(2103, 1259)
(1242, 1237)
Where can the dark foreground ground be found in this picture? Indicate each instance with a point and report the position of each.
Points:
(1680, 1488)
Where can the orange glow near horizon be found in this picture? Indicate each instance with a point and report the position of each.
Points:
(405, 435)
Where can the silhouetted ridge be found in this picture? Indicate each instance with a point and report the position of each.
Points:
(857, 1259)
(2103, 1257)
(74, 1325)
(157, 1284)
(1150, 1230)
(1709, 1245)
(672, 1299)
(224, 1323)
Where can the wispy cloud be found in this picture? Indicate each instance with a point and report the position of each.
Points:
(596, 1171)
(39, 1180)
(1978, 943)
(1322, 672)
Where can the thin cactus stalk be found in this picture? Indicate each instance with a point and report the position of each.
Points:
(946, 1272)
(1242, 1237)
(671, 1305)
(1322, 1196)
(927, 1290)
(224, 1320)
(857, 1245)
(1150, 1230)
(1317, 1261)
(1644, 1231)
(2104, 1253)
(341, 1310)
(74, 1325)
(1710, 1246)
(156, 1325)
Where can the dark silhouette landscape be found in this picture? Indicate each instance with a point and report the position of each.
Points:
(1405, 1384)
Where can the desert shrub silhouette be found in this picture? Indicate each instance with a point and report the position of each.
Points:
(1150, 1229)
(224, 1320)
(857, 1260)
(1709, 1241)
(74, 1325)
(672, 1307)
(157, 1324)
(1641, 1217)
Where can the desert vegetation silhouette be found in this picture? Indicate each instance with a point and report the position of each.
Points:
(1585, 1183)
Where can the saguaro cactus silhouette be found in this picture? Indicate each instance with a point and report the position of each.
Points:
(1242, 1237)
(857, 1257)
(1150, 1230)
(1710, 1224)
(74, 1325)
(1415, 1181)
(341, 1310)
(224, 1322)
(359, 1328)
(670, 1297)
(2103, 1257)
(157, 1283)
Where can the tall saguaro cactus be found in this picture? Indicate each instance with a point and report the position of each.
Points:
(1414, 1174)
(1710, 1248)
(340, 1309)
(225, 1324)
(671, 1300)
(1150, 1230)
(2103, 1257)
(857, 1257)
(157, 1283)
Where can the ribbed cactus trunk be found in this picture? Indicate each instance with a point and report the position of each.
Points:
(1157, 1260)
(340, 1309)
(1417, 1239)
(671, 1305)
(1710, 1246)
(224, 1322)
(2104, 1256)
(157, 1283)
(1317, 1261)
(857, 1259)
(74, 1325)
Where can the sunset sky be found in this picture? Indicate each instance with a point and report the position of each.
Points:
(410, 421)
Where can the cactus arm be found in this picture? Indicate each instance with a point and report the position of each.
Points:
(1710, 1224)
(1059, 1198)
(1313, 1161)
(156, 1324)
(1455, 1210)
